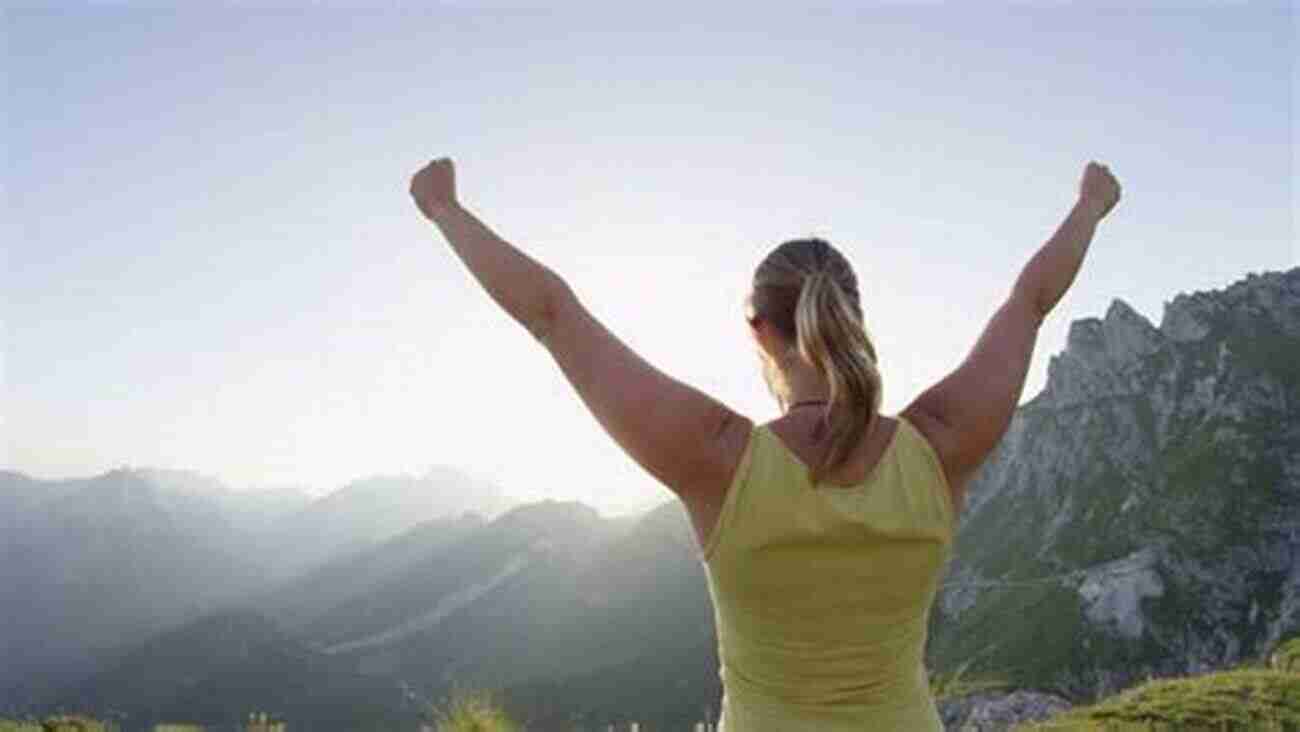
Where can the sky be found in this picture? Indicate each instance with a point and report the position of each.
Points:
(211, 260)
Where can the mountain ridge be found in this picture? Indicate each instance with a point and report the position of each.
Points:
(1159, 466)
(98, 563)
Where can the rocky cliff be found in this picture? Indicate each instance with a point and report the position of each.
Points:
(1142, 514)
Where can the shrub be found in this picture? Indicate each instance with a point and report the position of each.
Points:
(473, 711)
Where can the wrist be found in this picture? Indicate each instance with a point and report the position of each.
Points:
(439, 211)
(1093, 209)
(1086, 209)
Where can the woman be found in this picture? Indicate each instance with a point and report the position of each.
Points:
(824, 531)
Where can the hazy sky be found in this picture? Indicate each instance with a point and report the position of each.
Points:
(212, 261)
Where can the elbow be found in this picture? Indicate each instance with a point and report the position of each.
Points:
(1032, 301)
(553, 300)
(1030, 293)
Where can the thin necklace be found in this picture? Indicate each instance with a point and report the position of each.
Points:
(805, 403)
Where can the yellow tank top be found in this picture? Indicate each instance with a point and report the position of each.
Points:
(821, 594)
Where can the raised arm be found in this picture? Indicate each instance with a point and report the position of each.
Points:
(965, 415)
(687, 440)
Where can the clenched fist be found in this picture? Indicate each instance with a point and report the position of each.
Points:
(434, 187)
(1099, 190)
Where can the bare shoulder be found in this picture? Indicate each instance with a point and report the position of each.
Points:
(733, 438)
(704, 505)
(930, 425)
(943, 439)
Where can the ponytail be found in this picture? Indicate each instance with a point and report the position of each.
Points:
(831, 336)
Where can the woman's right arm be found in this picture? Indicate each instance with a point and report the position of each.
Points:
(965, 415)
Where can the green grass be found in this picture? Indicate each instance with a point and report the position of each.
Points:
(473, 711)
(1287, 656)
(1242, 699)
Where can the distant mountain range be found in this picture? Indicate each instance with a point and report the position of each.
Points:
(367, 511)
(221, 668)
(1142, 515)
(92, 566)
(546, 600)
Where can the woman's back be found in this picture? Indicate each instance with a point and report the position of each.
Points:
(822, 594)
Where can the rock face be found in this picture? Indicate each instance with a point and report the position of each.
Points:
(996, 712)
(1142, 514)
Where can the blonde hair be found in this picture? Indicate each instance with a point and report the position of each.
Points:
(807, 290)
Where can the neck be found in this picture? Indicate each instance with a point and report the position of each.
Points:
(804, 384)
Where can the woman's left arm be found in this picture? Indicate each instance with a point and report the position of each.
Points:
(689, 441)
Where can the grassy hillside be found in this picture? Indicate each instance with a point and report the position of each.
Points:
(1241, 699)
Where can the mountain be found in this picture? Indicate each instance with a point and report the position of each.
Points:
(645, 628)
(370, 510)
(1142, 514)
(219, 669)
(472, 607)
(549, 599)
(306, 598)
(18, 493)
(672, 689)
(90, 564)
(250, 511)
